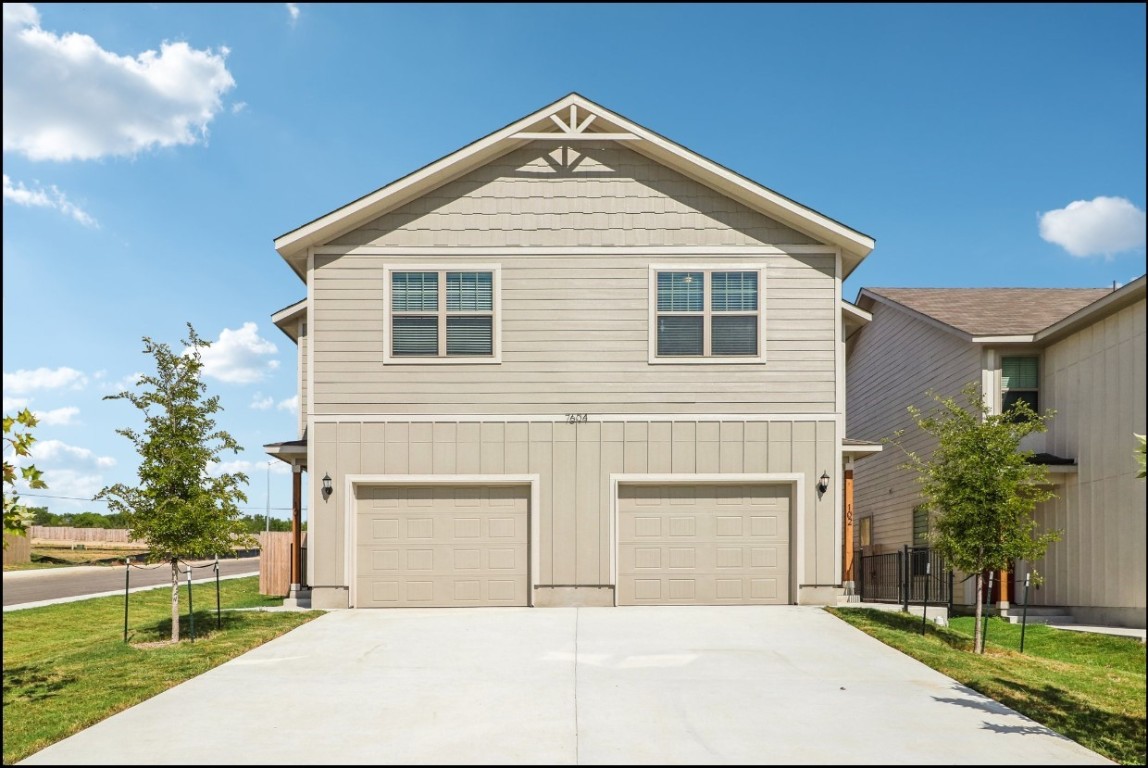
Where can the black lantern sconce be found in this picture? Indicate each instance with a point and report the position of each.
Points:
(327, 489)
(823, 483)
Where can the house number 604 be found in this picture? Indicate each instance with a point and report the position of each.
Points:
(576, 418)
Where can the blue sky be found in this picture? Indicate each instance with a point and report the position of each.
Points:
(153, 152)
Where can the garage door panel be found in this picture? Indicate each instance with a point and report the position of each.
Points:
(442, 546)
(703, 544)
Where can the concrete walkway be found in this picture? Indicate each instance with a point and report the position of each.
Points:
(784, 685)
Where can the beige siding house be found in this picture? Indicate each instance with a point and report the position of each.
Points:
(572, 363)
(1079, 352)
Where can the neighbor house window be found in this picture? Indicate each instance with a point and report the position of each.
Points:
(706, 313)
(866, 532)
(920, 554)
(1020, 381)
(442, 314)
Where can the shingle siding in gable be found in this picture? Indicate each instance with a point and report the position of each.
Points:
(534, 196)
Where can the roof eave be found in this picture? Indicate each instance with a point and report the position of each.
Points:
(287, 318)
(1113, 302)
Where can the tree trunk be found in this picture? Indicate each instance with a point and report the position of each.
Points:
(978, 639)
(175, 601)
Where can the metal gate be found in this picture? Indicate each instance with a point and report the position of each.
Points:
(909, 575)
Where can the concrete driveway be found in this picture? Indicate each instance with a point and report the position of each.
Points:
(773, 685)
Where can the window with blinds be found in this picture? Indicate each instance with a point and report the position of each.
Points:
(706, 313)
(442, 313)
(1020, 381)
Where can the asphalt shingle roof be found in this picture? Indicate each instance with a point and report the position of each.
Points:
(995, 311)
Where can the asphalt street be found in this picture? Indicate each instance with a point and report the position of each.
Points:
(35, 586)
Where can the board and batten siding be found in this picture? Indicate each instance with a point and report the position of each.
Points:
(303, 393)
(895, 360)
(575, 339)
(574, 463)
(545, 195)
(1095, 381)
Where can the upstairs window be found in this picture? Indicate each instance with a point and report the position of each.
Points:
(1020, 381)
(442, 314)
(700, 314)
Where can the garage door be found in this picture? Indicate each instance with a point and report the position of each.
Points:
(442, 546)
(703, 544)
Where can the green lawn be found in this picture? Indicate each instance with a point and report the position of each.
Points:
(66, 666)
(1090, 688)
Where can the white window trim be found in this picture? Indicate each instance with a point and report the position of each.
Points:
(495, 271)
(652, 302)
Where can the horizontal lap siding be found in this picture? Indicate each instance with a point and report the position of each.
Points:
(575, 341)
(895, 360)
(574, 463)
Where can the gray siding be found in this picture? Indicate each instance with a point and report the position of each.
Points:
(611, 196)
(574, 463)
(574, 339)
(895, 360)
(1095, 380)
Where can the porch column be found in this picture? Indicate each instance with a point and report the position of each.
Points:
(847, 561)
(296, 526)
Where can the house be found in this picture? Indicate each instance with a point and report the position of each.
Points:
(572, 363)
(1079, 352)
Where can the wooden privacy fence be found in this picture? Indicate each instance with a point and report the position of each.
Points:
(18, 549)
(275, 562)
(60, 534)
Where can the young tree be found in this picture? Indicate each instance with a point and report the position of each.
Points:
(982, 486)
(16, 444)
(178, 508)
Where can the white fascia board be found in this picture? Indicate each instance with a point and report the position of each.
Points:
(1018, 338)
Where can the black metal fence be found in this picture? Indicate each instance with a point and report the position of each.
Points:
(910, 575)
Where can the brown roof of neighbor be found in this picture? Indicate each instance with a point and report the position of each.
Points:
(995, 311)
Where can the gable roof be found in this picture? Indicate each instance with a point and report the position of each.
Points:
(574, 118)
(991, 311)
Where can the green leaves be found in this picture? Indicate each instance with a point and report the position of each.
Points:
(1139, 455)
(17, 444)
(980, 484)
(177, 506)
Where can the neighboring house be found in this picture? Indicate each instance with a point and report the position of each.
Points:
(572, 363)
(1079, 352)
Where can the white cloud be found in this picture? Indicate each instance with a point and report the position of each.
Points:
(252, 469)
(1098, 227)
(57, 417)
(293, 11)
(126, 383)
(22, 382)
(45, 198)
(76, 484)
(12, 404)
(66, 98)
(69, 456)
(261, 403)
(238, 107)
(290, 404)
(239, 356)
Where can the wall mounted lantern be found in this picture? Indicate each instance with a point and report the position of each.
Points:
(823, 483)
(327, 486)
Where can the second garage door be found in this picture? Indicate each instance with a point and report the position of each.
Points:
(441, 546)
(703, 544)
